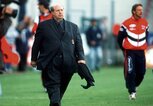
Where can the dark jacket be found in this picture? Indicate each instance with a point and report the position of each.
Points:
(48, 42)
(94, 34)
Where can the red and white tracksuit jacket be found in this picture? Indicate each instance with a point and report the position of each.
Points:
(39, 19)
(133, 34)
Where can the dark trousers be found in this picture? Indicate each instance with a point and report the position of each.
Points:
(1, 61)
(43, 79)
(134, 68)
(56, 80)
(23, 62)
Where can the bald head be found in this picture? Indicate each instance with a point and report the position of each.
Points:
(57, 12)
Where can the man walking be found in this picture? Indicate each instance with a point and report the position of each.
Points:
(132, 40)
(56, 49)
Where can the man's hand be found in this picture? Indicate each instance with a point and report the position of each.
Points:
(82, 61)
(6, 10)
(33, 63)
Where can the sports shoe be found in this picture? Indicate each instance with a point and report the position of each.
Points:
(132, 96)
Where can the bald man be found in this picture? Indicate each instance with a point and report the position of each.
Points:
(56, 50)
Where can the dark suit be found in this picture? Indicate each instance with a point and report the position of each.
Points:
(56, 54)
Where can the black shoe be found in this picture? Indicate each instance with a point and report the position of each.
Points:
(89, 84)
(2, 71)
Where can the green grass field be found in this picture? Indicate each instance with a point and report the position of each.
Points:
(24, 89)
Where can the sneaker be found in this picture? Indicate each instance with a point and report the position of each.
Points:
(132, 96)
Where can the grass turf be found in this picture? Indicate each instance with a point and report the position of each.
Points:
(24, 89)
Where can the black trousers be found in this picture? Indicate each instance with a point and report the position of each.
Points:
(1, 61)
(56, 80)
(134, 68)
(23, 62)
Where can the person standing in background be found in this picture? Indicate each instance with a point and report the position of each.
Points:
(45, 14)
(94, 39)
(132, 41)
(21, 42)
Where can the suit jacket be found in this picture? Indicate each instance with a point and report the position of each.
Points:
(48, 41)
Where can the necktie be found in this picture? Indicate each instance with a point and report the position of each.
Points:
(60, 29)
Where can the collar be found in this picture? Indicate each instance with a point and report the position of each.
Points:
(45, 14)
(135, 19)
(61, 22)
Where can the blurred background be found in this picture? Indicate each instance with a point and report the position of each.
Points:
(108, 16)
